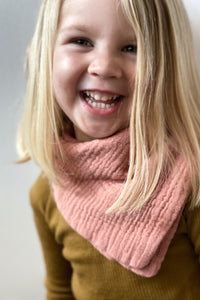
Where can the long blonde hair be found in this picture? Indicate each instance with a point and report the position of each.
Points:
(166, 97)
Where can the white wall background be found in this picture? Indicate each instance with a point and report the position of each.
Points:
(21, 264)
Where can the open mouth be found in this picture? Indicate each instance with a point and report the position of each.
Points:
(102, 101)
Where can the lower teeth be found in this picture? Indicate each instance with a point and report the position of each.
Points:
(100, 105)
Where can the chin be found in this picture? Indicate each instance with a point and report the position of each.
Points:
(89, 135)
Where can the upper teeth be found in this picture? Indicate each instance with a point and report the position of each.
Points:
(99, 97)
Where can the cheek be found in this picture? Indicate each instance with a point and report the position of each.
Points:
(63, 79)
(132, 79)
(132, 73)
(60, 72)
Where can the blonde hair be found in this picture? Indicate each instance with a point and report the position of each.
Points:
(166, 97)
(42, 118)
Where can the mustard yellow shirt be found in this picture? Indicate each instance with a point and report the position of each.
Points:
(76, 270)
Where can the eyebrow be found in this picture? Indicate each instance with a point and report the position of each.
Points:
(77, 26)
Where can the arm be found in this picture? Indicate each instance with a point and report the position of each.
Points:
(58, 270)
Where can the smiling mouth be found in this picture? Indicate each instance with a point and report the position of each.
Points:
(101, 100)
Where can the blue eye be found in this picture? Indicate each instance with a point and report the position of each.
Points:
(82, 42)
(130, 48)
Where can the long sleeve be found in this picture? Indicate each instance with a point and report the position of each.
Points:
(58, 269)
(97, 278)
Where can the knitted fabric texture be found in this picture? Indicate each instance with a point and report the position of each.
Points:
(93, 174)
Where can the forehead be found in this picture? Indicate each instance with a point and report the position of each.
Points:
(79, 5)
(94, 13)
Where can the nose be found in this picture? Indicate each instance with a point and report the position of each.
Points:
(105, 65)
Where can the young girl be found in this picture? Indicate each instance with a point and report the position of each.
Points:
(113, 119)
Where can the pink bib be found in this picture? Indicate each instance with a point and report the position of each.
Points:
(93, 174)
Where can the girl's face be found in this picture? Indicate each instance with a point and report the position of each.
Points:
(94, 67)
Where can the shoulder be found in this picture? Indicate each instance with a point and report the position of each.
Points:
(40, 192)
